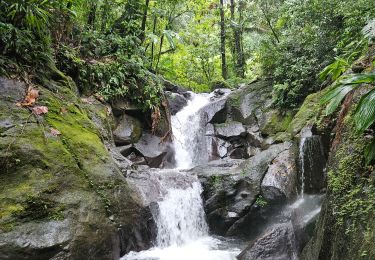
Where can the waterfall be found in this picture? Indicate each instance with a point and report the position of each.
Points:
(182, 231)
(302, 160)
(181, 217)
(312, 162)
(188, 128)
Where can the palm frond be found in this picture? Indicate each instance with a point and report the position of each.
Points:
(365, 113)
(335, 96)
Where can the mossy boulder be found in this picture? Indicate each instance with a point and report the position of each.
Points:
(61, 194)
(247, 104)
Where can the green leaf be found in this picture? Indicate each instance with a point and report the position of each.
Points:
(355, 79)
(335, 97)
(169, 34)
(365, 112)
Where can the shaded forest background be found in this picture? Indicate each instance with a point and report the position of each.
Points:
(119, 48)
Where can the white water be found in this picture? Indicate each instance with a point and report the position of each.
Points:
(182, 231)
(302, 160)
(181, 217)
(187, 132)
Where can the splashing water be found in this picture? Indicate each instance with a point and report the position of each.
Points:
(185, 223)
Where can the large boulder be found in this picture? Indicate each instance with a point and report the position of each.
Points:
(176, 102)
(231, 187)
(277, 243)
(154, 150)
(280, 182)
(62, 196)
(229, 130)
(128, 130)
(216, 110)
(246, 105)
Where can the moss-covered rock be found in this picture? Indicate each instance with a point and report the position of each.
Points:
(346, 229)
(61, 194)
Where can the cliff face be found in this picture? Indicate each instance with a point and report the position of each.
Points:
(345, 229)
(62, 196)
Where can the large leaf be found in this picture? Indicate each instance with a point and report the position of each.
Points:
(355, 79)
(169, 34)
(335, 97)
(365, 113)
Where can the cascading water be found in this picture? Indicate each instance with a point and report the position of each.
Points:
(188, 131)
(182, 231)
(312, 162)
(181, 217)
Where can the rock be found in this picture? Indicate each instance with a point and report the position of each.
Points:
(246, 104)
(171, 87)
(232, 186)
(44, 240)
(254, 139)
(128, 130)
(239, 153)
(230, 129)
(272, 121)
(176, 102)
(63, 197)
(122, 106)
(277, 243)
(153, 150)
(280, 182)
(215, 111)
(120, 159)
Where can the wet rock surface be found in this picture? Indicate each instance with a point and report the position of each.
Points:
(277, 243)
(280, 182)
(232, 186)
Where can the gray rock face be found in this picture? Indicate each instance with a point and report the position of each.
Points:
(230, 129)
(245, 105)
(215, 112)
(44, 240)
(277, 243)
(153, 150)
(176, 102)
(280, 182)
(232, 186)
(128, 130)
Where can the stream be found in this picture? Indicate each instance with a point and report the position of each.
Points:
(182, 229)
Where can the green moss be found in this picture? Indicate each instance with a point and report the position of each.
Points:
(277, 123)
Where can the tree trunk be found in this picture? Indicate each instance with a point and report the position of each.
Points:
(224, 69)
(153, 44)
(144, 21)
(92, 15)
(105, 10)
(238, 53)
